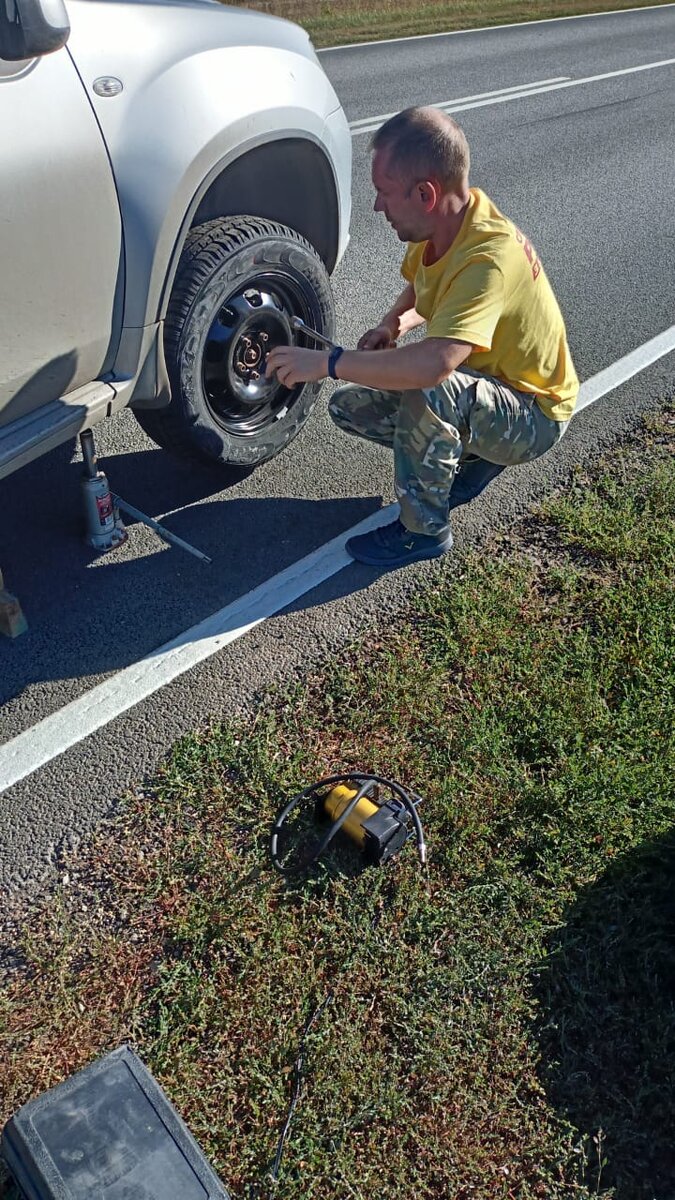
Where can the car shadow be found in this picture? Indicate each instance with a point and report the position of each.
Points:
(607, 1028)
(90, 613)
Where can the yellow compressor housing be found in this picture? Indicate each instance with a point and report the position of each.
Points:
(379, 828)
(376, 813)
(335, 804)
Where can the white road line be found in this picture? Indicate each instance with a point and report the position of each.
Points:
(526, 90)
(625, 368)
(50, 737)
(518, 87)
(416, 37)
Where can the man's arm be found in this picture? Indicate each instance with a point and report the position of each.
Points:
(421, 365)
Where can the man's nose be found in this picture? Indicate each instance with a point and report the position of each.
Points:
(378, 205)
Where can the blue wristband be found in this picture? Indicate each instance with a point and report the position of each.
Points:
(332, 359)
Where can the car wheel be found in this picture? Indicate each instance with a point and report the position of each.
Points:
(239, 282)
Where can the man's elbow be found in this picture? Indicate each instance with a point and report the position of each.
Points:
(448, 359)
(444, 369)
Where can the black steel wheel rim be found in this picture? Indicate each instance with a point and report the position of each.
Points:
(248, 324)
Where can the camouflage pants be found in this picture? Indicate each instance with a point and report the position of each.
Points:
(434, 432)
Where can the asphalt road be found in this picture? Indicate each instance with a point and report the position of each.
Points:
(588, 172)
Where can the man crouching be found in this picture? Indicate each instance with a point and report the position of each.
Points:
(491, 385)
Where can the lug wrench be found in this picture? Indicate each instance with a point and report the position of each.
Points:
(299, 325)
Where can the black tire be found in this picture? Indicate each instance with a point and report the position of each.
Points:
(239, 281)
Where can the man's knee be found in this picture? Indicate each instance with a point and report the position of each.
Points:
(366, 412)
(348, 406)
(339, 408)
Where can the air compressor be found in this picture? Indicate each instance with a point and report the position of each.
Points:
(377, 814)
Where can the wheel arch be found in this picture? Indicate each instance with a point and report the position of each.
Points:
(286, 179)
(289, 181)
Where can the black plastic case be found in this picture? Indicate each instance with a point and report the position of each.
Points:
(107, 1133)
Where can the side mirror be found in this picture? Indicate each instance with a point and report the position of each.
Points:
(30, 28)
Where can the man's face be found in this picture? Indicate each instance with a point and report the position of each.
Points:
(400, 200)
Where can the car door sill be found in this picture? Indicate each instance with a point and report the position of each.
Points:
(38, 432)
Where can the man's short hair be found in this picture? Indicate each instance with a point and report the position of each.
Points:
(424, 143)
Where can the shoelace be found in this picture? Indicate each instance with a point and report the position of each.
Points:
(390, 535)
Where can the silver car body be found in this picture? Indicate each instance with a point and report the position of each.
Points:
(154, 117)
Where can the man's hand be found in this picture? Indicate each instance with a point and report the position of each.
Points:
(294, 365)
(379, 338)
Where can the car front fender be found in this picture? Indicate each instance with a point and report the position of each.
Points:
(187, 109)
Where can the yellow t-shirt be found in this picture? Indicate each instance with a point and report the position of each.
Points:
(490, 289)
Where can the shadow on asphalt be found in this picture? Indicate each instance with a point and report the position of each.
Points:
(607, 1029)
(90, 613)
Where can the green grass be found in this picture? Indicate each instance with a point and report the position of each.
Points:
(334, 22)
(503, 1029)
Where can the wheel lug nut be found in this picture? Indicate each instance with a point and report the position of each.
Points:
(264, 337)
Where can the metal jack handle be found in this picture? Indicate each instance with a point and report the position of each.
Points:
(165, 534)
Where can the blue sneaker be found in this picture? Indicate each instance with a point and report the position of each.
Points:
(473, 476)
(394, 546)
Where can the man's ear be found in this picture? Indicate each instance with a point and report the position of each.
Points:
(428, 192)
